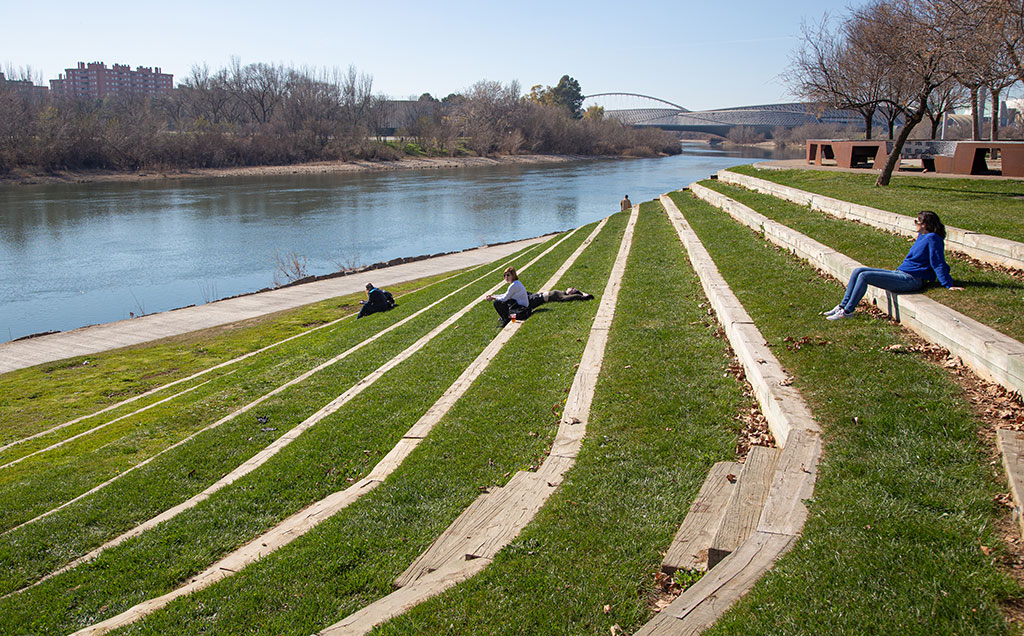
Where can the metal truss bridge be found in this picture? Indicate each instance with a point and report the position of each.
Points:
(643, 110)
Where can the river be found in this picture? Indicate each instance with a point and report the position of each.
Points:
(74, 255)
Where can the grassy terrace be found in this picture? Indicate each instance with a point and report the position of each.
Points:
(38, 548)
(904, 501)
(49, 479)
(988, 206)
(901, 538)
(35, 399)
(991, 297)
(323, 460)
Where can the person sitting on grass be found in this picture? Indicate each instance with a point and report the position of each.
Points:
(514, 302)
(376, 300)
(925, 262)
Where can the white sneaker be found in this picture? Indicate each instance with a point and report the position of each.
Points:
(835, 310)
(839, 315)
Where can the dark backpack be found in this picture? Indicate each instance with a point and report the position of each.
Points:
(389, 300)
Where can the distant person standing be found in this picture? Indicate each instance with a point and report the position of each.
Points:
(376, 300)
(625, 204)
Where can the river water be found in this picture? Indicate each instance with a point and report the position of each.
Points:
(74, 255)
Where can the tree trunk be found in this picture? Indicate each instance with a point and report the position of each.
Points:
(975, 121)
(869, 118)
(995, 113)
(894, 157)
(935, 125)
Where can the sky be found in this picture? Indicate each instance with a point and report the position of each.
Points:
(694, 53)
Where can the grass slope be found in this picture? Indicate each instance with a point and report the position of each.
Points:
(987, 206)
(49, 479)
(341, 448)
(29, 552)
(502, 424)
(904, 501)
(663, 413)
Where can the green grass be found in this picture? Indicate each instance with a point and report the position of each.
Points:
(990, 297)
(905, 497)
(988, 206)
(172, 478)
(46, 480)
(43, 396)
(342, 447)
(903, 506)
(664, 412)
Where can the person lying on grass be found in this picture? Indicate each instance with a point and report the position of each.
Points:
(557, 296)
(376, 300)
(925, 263)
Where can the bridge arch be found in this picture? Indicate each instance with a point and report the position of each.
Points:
(655, 99)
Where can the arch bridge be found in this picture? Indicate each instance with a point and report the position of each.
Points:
(635, 109)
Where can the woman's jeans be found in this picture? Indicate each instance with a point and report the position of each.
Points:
(887, 279)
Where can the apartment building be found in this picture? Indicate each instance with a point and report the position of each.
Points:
(97, 81)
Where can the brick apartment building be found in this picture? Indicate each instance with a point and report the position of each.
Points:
(97, 81)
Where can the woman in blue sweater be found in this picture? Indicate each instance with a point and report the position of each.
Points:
(925, 262)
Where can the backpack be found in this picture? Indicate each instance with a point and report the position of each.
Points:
(389, 300)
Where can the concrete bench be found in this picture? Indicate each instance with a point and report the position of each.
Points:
(947, 157)
(849, 153)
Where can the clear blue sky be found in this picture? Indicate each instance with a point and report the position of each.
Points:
(695, 53)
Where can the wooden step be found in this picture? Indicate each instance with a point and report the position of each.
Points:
(484, 527)
(744, 508)
(689, 549)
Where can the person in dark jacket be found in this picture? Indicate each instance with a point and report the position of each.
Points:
(557, 296)
(376, 300)
(925, 262)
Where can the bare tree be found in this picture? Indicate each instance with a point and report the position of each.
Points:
(984, 49)
(830, 69)
(908, 37)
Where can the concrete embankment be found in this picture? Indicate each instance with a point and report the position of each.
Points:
(29, 352)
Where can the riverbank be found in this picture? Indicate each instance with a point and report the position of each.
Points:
(29, 177)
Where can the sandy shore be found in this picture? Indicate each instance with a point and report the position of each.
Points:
(320, 167)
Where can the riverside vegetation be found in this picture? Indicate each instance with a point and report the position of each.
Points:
(903, 535)
(265, 114)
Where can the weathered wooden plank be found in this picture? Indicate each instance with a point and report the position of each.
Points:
(745, 503)
(784, 510)
(689, 548)
(406, 598)
(1011, 445)
(702, 604)
(452, 543)
(990, 354)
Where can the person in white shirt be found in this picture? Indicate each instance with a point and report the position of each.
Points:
(515, 301)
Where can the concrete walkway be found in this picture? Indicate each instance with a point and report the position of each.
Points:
(20, 354)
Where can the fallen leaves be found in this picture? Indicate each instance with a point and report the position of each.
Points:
(795, 344)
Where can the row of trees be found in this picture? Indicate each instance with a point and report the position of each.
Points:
(266, 114)
(912, 59)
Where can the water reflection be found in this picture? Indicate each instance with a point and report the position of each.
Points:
(72, 255)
